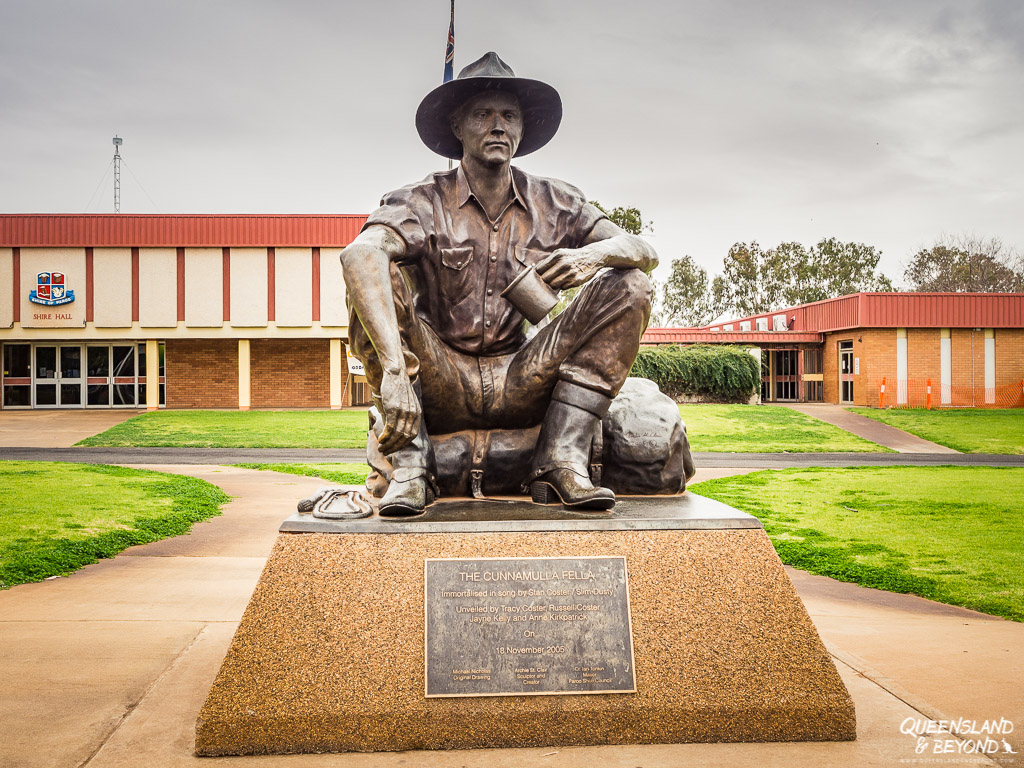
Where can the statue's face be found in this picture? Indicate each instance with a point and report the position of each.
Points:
(490, 127)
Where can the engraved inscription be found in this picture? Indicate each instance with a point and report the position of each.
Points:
(505, 627)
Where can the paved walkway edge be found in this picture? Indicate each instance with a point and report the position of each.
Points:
(331, 455)
(869, 429)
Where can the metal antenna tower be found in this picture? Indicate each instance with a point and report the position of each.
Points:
(117, 174)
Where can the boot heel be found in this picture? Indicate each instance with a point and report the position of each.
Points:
(542, 493)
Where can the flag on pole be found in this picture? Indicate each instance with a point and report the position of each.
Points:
(449, 51)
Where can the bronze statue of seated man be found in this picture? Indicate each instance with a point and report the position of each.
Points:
(443, 350)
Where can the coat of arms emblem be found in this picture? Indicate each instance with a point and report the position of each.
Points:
(51, 290)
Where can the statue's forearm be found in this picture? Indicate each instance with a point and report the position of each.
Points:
(626, 252)
(367, 270)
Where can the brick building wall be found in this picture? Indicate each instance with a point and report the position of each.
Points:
(1009, 356)
(876, 348)
(201, 373)
(924, 354)
(967, 356)
(290, 373)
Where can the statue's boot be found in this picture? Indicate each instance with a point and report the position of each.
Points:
(561, 459)
(412, 488)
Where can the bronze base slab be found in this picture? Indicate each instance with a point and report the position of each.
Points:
(329, 656)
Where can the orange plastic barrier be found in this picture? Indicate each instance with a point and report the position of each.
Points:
(917, 393)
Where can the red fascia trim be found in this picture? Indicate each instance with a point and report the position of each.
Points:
(271, 280)
(226, 280)
(181, 285)
(173, 230)
(135, 285)
(315, 299)
(700, 336)
(89, 282)
(16, 263)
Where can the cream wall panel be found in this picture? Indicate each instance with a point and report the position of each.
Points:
(901, 366)
(946, 365)
(333, 311)
(112, 287)
(293, 287)
(244, 375)
(70, 261)
(249, 287)
(6, 287)
(158, 287)
(990, 365)
(204, 287)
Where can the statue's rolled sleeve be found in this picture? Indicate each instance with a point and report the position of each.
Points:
(586, 220)
(410, 215)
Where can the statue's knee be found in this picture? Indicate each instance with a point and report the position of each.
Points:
(624, 287)
(635, 286)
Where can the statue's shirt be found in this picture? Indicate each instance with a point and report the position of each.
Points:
(458, 261)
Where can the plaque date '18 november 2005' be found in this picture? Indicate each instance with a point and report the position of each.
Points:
(522, 626)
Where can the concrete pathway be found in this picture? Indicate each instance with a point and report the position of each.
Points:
(318, 455)
(110, 666)
(56, 429)
(869, 429)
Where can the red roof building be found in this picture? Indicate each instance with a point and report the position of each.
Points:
(883, 349)
(240, 311)
(218, 311)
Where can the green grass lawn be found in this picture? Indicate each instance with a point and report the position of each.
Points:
(338, 472)
(953, 534)
(970, 431)
(58, 517)
(765, 429)
(238, 429)
(742, 428)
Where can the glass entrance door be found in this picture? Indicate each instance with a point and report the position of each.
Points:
(845, 371)
(70, 375)
(786, 369)
(90, 375)
(98, 381)
(57, 376)
(124, 375)
(113, 376)
(44, 376)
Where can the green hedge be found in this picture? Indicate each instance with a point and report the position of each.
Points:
(714, 371)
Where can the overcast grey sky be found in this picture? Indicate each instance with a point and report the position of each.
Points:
(886, 122)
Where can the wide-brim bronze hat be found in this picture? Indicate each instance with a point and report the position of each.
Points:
(541, 105)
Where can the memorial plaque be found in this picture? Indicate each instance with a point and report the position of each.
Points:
(528, 626)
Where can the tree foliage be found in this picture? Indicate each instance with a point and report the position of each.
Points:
(630, 219)
(966, 264)
(686, 297)
(756, 280)
(721, 372)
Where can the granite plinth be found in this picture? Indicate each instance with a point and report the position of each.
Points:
(329, 656)
(464, 515)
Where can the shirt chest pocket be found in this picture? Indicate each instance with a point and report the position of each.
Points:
(528, 257)
(454, 277)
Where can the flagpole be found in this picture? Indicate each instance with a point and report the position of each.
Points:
(449, 56)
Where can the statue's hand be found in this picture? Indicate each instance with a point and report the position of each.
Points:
(569, 267)
(402, 412)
